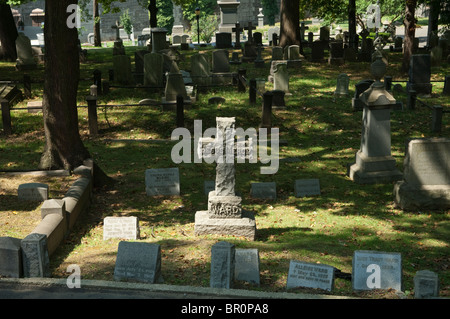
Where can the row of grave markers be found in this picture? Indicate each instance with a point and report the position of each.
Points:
(141, 262)
(166, 181)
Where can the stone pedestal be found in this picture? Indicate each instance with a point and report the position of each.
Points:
(159, 41)
(228, 15)
(374, 163)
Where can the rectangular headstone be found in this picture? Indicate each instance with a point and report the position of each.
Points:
(376, 270)
(138, 261)
(264, 190)
(247, 266)
(35, 256)
(33, 191)
(222, 265)
(162, 181)
(427, 162)
(307, 187)
(426, 284)
(310, 275)
(209, 186)
(121, 227)
(220, 61)
(10, 257)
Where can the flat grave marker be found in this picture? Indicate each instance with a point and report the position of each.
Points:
(266, 190)
(307, 187)
(121, 227)
(162, 181)
(247, 266)
(302, 274)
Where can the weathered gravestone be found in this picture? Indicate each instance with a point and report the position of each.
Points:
(360, 87)
(33, 192)
(376, 270)
(294, 58)
(307, 187)
(310, 275)
(221, 74)
(342, 85)
(175, 86)
(281, 78)
(35, 257)
(122, 69)
(139, 60)
(153, 69)
(426, 176)
(140, 262)
(426, 284)
(200, 70)
(222, 265)
(223, 40)
(271, 32)
(10, 257)
(247, 266)
(162, 181)
(225, 215)
(25, 58)
(336, 53)
(420, 74)
(266, 190)
(317, 51)
(159, 41)
(208, 186)
(121, 227)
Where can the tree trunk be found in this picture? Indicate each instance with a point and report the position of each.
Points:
(63, 146)
(290, 23)
(8, 34)
(97, 36)
(153, 14)
(352, 23)
(433, 19)
(410, 32)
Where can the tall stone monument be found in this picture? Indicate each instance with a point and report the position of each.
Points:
(178, 28)
(225, 215)
(228, 14)
(374, 163)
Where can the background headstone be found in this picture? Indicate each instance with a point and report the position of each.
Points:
(137, 261)
(266, 190)
(307, 187)
(162, 181)
(33, 192)
(121, 227)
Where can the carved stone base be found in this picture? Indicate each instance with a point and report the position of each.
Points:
(240, 227)
(415, 197)
(224, 207)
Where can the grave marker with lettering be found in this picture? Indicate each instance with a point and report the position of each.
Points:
(247, 266)
(307, 187)
(162, 181)
(138, 261)
(310, 275)
(33, 192)
(264, 190)
(121, 227)
(376, 270)
(222, 265)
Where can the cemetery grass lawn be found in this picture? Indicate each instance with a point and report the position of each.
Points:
(322, 134)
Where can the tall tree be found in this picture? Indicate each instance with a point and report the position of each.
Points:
(410, 31)
(8, 33)
(289, 23)
(97, 34)
(63, 145)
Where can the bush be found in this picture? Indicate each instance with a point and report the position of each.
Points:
(208, 27)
